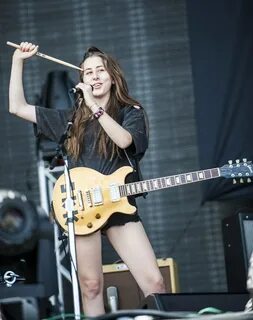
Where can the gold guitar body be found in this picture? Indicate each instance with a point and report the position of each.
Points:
(90, 214)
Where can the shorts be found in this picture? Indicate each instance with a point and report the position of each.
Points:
(119, 219)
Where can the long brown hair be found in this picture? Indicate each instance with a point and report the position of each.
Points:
(119, 98)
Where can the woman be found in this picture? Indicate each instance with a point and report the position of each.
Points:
(107, 122)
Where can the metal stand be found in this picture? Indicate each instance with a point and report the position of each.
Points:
(72, 248)
(70, 219)
(47, 181)
(60, 154)
(249, 305)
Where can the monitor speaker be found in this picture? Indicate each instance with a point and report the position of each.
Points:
(238, 246)
(129, 294)
(19, 308)
(194, 302)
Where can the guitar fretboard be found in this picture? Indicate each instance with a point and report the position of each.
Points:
(167, 182)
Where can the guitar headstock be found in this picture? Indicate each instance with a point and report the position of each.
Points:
(238, 170)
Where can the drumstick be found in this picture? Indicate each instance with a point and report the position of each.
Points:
(42, 55)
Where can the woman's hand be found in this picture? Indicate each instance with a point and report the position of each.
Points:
(17, 101)
(87, 94)
(25, 51)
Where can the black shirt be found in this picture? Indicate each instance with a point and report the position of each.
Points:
(51, 123)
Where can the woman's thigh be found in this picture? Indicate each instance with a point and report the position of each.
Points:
(134, 248)
(89, 257)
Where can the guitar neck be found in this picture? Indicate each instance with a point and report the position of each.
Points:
(168, 182)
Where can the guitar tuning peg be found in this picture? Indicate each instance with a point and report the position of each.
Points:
(248, 180)
(234, 181)
(241, 180)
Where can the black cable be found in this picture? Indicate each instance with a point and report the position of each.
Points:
(175, 315)
(146, 312)
(182, 233)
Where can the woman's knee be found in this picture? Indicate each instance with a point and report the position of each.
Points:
(155, 284)
(159, 284)
(91, 288)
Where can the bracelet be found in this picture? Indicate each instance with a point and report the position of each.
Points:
(98, 113)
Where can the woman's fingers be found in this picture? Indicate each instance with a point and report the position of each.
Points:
(27, 46)
(26, 50)
(35, 49)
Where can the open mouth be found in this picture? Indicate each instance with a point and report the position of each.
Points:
(97, 85)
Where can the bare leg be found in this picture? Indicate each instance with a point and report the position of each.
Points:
(89, 262)
(134, 248)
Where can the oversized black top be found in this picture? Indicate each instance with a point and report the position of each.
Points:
(51, 123)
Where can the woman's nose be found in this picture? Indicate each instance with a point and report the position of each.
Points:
(95, 75)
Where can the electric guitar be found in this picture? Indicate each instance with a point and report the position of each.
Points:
(96, 196)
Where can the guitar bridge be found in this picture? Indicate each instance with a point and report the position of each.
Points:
(80, 199)
(88, 198)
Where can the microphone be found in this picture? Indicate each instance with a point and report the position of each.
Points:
(112, 298)
(78, 90)
(75, 90)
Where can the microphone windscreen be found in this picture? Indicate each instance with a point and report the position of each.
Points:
(75, 90)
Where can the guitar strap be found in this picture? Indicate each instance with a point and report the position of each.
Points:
(136, 169)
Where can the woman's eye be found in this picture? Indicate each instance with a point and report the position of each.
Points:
(88, 73)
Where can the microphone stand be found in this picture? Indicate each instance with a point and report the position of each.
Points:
(249, 304)
(69, 205)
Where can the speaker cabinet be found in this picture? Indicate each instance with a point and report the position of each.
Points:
(129, 294)
(21, 309)
(238, 245)
(39, 273)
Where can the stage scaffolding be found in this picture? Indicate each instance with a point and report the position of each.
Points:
(47, 179)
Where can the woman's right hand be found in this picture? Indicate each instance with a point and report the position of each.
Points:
(25, 51)
(87, 93)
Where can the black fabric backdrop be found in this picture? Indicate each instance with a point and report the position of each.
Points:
(222, 68)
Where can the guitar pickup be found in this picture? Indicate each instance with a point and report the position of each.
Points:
(97, 196)
(114, 192)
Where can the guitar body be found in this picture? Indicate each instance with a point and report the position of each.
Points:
(89, 215)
